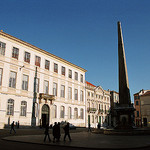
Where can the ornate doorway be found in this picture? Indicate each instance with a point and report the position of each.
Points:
(45, 115)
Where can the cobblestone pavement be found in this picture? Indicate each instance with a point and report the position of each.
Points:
(81, 139)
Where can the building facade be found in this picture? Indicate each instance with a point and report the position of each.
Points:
(98, 105)
(36, 83)
(114, 99)
(137, 106)
(145, 109)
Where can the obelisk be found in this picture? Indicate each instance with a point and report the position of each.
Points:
(124, 110)
(124, 92)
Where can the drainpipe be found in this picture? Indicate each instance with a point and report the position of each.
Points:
(33, 121)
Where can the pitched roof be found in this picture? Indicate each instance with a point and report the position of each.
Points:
(90, 83)
(146, 94)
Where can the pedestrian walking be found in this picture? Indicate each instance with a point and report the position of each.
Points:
(55, 128)
(58, 132)
(47, 133)
(66, 129)
(12, 127)
(89, 127)
(18, 125)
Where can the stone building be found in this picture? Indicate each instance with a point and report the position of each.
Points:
(114, 100)
(30, 75)
(145, 109)
(137, 106)
(98, 105)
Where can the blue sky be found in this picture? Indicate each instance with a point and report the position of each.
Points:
(84, 32)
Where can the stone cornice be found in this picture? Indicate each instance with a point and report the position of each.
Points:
(40, 50)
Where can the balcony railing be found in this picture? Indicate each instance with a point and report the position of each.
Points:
(91, 109)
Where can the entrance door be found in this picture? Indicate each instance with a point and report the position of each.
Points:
(45, 115)
(88, 119)
(100, 120)
(145, 122)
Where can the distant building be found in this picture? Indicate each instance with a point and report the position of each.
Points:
(145, 109)
(114, 99)
(98, 105)
(137, 105)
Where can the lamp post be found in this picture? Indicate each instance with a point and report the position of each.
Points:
(33, 121)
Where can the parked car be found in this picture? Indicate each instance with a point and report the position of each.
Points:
(71, 126)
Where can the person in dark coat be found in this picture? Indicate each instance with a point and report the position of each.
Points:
(12, 127)
(18, 125)
(66, 129)
(55, 128)
(58, 132)
(47, 133)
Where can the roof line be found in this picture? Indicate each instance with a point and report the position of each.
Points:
(39, 49)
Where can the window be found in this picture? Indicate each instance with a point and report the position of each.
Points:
(1, 72)
(10, 107)
(70, 73)
(12, 80)
(76, 113)
(37, 85)
(81, 78)
(37, 60)
(55, 67)
(88, 104)
(63, 70)
(46, 87)
(23, 108)
(2, 48)
(47, 64)
(81, 96)
(27, 57)
(76, 76)
(92, 94)
(76, 94)
(92, 105)
(137, 113)
(15, 52)
(137, 102)
(99, 106)
(62, 112)
(69, 113)
(93, 119)
(81, 114)
(62, 94)
(55, 89)
(88, 93)
(55, 111)
(25, 82)
(69, 93)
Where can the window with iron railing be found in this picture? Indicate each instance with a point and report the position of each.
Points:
(47, 63)
(2, 48)
(37, 60)
(55, 67)
(27, 57)
(15, 52)
(63, 70)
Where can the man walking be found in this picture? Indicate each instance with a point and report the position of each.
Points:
(12, 127)
(47, 133)
(66, 129)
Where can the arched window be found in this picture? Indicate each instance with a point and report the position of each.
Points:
(81, 113)
(76, 113)
(62, 112)
(23, 108)
(55, 111)
(10, 107)
(69, 113)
